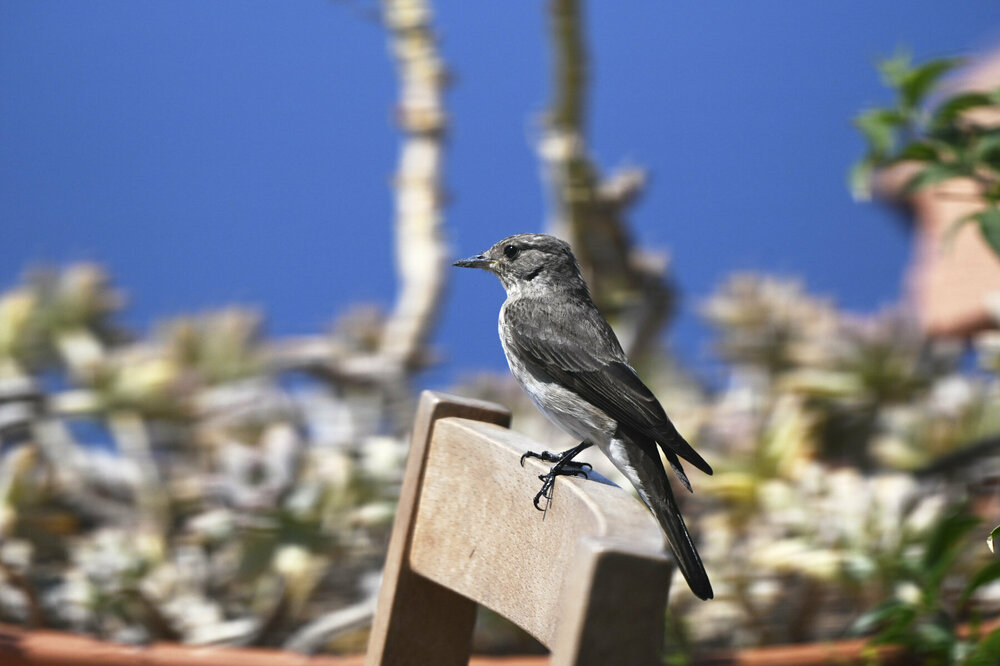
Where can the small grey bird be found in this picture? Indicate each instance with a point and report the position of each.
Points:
(565, 356)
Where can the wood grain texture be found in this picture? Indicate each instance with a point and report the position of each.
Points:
(478, 532)
(589, 577)
(418, 621)
(612, 607)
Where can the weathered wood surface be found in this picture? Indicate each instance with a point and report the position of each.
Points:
(418, 621)
(588, 578)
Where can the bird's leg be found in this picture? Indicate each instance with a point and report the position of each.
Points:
(564, 466)
(564, 457)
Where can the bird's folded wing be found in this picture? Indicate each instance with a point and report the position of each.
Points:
(579, 350)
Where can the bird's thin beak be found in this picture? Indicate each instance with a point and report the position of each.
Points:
(478, 261)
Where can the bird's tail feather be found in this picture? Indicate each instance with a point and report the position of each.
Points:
(675, 465)
(650, 479)
(672, 442)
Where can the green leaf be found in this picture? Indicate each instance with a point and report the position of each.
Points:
(945, 538)
(859, 180)
(953, 107)
(920, 151)
(886, 612)
(985, 146)
(933, 174)
(899, 629)
(993, 535)
(934, 637)
(915, 84)
(879, 129)
(984, 576)
(987, 651)
(989, 226)
(894, 70)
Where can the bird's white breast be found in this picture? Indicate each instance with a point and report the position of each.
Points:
(562, 406)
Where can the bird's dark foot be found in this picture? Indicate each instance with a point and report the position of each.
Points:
(564, 466)
(548, 480)
(549, 457)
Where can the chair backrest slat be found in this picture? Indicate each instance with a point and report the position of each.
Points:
(588, 578)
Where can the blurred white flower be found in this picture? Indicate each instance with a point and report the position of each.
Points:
(951, 395)
(798, 555)
(213, 525)
(373, 514)
(291, 560)
(929, 510)
(332, 467)
(192, 614)
(383, 458)
(908, 592)
(16, 553)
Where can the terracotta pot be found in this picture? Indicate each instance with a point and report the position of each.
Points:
(22, 647)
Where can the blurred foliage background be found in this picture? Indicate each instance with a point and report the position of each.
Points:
(211, 484)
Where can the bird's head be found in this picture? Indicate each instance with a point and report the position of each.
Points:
(525, 261)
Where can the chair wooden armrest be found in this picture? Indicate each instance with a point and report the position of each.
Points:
(589, 578)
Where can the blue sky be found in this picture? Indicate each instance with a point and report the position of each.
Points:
(231, 151)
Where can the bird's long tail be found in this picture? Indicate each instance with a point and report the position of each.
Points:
(640, 462)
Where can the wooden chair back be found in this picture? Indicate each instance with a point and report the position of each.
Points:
(589, 578)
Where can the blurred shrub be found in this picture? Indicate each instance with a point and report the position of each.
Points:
(956, 137)
(922, 616)
(211, 485)
(830, 436)
(825, 418)
(199, 485)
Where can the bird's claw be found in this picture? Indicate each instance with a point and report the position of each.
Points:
(544, 456)
(548, 484)
(563, 466)
(549, 479)
(539, 496)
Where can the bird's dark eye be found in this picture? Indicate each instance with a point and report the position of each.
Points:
(511, 251)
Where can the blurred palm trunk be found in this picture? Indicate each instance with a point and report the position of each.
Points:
(421, 251)
(630, 286)
(401, 341)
